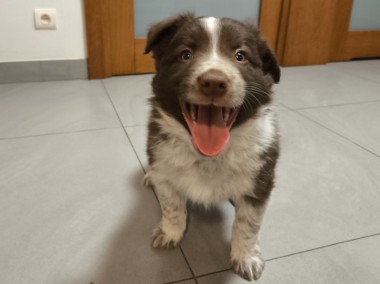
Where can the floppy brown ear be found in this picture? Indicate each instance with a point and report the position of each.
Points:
(270, 65)
(269, 62)
(165, 30)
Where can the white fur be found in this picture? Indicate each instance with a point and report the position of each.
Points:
(180, 173)
(207, 180)
(212, 26)
(213, 59)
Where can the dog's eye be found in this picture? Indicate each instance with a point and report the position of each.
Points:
(186, 55)
(240, 56)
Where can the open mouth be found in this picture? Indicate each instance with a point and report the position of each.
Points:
(209, 126)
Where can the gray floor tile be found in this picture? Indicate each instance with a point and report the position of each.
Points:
(312, 86)
(280, 107)
(130, 96)
(358, 122)
(52, 107)
(353, 262)
(73, 210)
(207, 241)
(327, 192)
(138, 136)
(187, 282)
(368, 69)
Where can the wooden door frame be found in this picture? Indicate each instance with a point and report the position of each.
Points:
(300, 32)
(317, 32)
(105, 33)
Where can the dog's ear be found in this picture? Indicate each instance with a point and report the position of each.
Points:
(165, 30)
(269, 62)
(270, 65)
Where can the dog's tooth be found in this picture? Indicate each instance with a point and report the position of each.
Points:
(226, 114)
(193, 112)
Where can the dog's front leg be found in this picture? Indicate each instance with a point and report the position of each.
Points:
(245, 251)
(173, 222)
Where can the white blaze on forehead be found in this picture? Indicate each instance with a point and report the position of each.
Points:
(214, 59)
(211, 23)
(212, 27)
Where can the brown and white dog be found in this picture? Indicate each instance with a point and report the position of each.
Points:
(212, 131)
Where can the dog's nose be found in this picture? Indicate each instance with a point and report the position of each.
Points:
(213, 83)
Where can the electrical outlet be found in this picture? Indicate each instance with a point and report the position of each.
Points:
(45, 19)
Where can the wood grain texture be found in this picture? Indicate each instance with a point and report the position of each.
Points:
(122, 37)
(309, 32)
(340, 28)
(362, 44)
(98, 39)
(301, 32)
(270, 16)
(282, 30)
(345, 44)
(144, 63)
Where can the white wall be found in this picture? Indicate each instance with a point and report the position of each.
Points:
(19, 41)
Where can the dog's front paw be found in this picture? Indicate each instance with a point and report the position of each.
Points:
(148, 180)
(250, 268)
(162, 239)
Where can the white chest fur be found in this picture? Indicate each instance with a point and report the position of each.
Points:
(209, 180)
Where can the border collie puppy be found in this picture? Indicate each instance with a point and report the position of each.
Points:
(212, 132)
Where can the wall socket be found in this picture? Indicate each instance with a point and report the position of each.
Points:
(45, 19)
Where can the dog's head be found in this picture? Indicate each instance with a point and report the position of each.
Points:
(211, 75)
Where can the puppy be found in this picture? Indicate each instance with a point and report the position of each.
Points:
(212, 134)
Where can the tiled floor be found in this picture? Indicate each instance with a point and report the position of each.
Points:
(74, 211)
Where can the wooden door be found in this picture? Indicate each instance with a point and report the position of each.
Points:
(111, 45)
(300, 32)
(317, 32)
(113, 48)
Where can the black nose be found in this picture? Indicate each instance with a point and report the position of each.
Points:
(213, 83)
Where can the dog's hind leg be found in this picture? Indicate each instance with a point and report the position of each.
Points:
(173, 221)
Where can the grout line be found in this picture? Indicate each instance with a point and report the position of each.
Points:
(349, 72)
(337, 133)
(215, 272)
(188, 264)
(363, 77)
(121, 123)
(180, 281)
(135, 125)
(333, 105)
(57, 133)
(142, 167)
(299, 252)
(326, 246)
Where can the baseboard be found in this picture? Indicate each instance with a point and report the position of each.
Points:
(49, 70)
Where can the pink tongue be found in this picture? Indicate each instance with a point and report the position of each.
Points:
(210, 133)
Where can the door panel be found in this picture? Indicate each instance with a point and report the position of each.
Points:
(301, 32)
(148, 12)
(318, 31)
(121, 37)
(116, 44)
